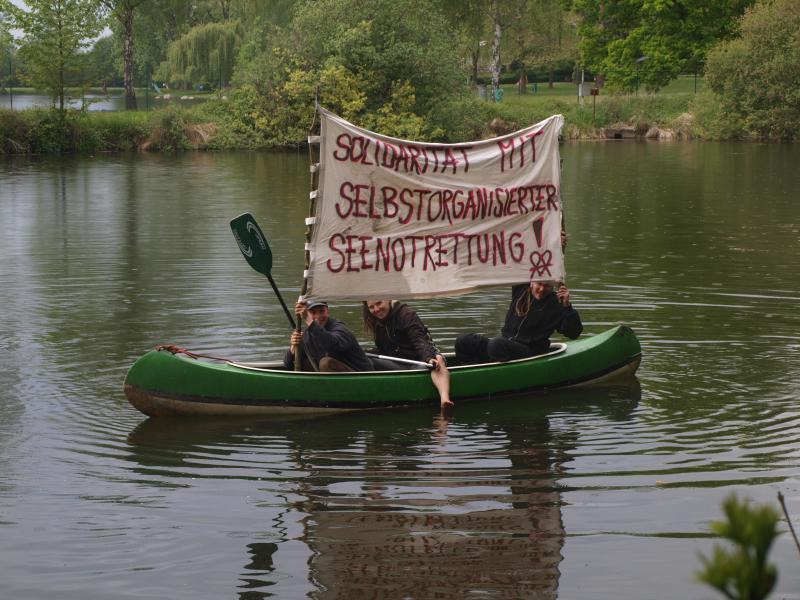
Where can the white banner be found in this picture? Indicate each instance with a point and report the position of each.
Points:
(397, 219)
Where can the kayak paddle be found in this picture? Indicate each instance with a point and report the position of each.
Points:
(255, 249)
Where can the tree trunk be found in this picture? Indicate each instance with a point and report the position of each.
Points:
(475, 56)
(495, 66)
(127, 57)
(61, 67)
(225, 5)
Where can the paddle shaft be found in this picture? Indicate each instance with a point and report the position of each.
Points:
(280, 299)
(417, 363)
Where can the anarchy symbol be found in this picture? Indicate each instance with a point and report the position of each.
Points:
(541, 263)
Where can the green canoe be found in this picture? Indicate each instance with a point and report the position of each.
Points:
(162, 383)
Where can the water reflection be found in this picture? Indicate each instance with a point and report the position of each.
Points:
(396, 503)
(95, 102)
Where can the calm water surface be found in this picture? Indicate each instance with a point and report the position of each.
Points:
(111, 102)
(598, 493)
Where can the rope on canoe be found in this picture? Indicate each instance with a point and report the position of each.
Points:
(173, 349)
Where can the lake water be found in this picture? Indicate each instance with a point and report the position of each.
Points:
(95, 102)
(602, 493)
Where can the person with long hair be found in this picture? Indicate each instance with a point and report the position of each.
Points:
(398, 331)
(536, 311)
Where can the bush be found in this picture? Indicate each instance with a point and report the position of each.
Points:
(53, 132)
(741, 571)
(756, 77)
(461, 119)
(168, 131)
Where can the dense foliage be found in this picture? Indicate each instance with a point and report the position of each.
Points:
(649, 42)
(755, 78)
(384, 64)
(55, 33)
(203, 55)
(407, 68)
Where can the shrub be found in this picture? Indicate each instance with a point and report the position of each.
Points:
(742, 572)
(168, 131)
(756, 77)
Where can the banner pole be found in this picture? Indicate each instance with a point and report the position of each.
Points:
(563, 221)
(313, 169)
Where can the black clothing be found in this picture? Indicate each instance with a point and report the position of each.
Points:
(522, 336)
(477, 348)
(334, 340)
(402, 334)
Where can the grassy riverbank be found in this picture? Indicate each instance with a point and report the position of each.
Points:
(237, 124)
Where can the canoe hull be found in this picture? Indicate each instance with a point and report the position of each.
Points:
(162, 384)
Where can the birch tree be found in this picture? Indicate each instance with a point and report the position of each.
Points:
(124, 12)
(502, 14)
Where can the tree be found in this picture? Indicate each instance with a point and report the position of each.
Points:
(468, 19)
(383, 64)
(102, 67)
(157, 25)
(55, 31)
(382, 42)
(8, 57)
(543, 36)
(756, 78)
(124, 12)
(205, 54)
(502, 14)
(650, 42)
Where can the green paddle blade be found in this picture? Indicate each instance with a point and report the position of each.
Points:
(252, 243)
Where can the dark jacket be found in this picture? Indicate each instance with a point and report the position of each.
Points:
(334, 340)
(544, 317)
(402, 334)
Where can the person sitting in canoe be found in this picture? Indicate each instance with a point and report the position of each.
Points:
(398, 331)
(536, 311)
(326, 341)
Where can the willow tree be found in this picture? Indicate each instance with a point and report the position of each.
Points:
(55, 33)
(204, 54)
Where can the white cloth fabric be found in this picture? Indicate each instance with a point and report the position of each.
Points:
(402, 219)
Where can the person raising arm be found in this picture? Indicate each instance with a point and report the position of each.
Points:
(536, 311)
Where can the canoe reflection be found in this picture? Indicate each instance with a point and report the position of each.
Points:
(407, 504)
(499, 533)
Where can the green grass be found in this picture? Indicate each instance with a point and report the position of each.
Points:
(642, 110)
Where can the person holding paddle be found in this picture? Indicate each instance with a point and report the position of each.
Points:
(329, 345)
(399, 332)
(536, 311)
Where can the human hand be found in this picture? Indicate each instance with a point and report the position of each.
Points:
(296, 339)
(563, 296)
(301, 310)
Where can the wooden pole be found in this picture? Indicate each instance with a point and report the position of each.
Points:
(313, 169)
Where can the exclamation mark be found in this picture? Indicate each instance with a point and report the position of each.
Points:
(537, 230)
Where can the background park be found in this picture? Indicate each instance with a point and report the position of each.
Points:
(237, 74)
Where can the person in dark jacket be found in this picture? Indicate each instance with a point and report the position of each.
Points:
(536, 311)
(328, 345)
(398, 331)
